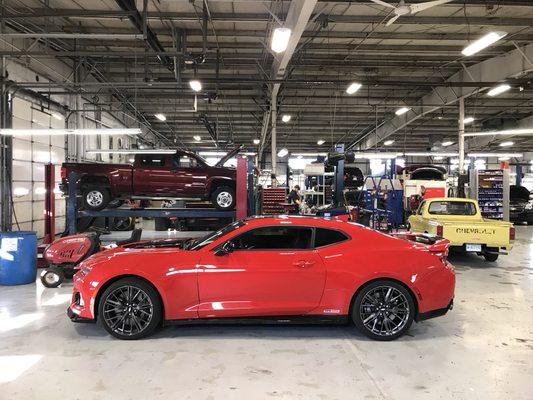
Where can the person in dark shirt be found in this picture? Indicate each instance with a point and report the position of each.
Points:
(294, 198)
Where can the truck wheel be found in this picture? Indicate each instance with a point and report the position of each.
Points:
(491, 257)
(95, 198)
(223, 198)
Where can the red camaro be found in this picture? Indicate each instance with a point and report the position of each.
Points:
(274, 269)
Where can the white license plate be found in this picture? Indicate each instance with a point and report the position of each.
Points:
(473, 247)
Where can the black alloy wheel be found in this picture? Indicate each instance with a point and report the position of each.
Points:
(383, 310)
(130, 309)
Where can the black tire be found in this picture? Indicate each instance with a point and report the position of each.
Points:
(370, 302)
(132, 319)
(490, 257)
(115, 203)
(223, 198)
(52, 277)
(95, 198)
(123, 223)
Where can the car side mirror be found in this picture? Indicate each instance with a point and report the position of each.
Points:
(224, 249)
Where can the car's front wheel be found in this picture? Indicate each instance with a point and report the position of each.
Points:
(130, 309)
(383, 310)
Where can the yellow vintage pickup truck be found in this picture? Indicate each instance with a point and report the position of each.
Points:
(460, 221)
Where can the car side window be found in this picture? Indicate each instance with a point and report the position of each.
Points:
(152, 160)
(325, 237)
(274, 237)
(184, 161)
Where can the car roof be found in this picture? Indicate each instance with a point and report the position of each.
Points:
(450, 199)
(262, 220)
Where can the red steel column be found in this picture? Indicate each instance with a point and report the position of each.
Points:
(49, 204)
(241, 191)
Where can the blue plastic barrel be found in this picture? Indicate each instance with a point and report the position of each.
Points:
(18, 257)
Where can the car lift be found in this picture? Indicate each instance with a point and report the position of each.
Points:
(244, 203)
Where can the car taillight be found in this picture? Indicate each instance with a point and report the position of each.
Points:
(440, 230)
(512, 234)
(63, 173)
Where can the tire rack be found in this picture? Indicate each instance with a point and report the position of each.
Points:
(242, 209)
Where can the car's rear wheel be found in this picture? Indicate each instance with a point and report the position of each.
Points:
(130, 309)
(490, 257)
(95, 198)
(224, 198)
(383, 310)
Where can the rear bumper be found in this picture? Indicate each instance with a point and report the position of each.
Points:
(435, 313)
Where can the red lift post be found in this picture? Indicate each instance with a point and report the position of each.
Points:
(49, 204)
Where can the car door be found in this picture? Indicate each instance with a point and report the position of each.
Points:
(153, 176)
(271, 271)
(190, 173)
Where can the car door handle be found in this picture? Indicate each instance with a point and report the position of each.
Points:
(303, 263)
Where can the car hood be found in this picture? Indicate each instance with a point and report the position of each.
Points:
(232, 153)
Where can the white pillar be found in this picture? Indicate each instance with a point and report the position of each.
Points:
(461, 139)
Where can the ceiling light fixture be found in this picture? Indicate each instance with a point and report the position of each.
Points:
(283, 152)
(504, 158)
(447, 143)
(257, 141)
(504, 87)
(133, 151)
(80, 132)
(195, 85)
(354, 87)
(197, 138)
(58, 116)
(515, 132)
(160, 117)
(286, 118)
(320, 142)
(506, 144)
(483, 43)
(468, 120)
(388, 142)
(515, 155)
(438, 158)
(431, 154)
(280, 39)
(402, 111)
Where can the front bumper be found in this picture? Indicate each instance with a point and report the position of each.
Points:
(435, 313)
(75, 317)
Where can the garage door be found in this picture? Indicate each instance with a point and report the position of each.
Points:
(30, 155)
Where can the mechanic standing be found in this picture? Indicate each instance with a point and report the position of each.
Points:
(294, 198)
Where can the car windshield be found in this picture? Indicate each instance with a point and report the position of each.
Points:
(452, 208)
(211, 237)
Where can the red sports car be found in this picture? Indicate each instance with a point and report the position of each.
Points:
(274, 269)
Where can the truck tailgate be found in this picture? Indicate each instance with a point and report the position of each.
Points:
(495, 234)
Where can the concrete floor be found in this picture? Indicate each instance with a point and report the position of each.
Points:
(483, 349)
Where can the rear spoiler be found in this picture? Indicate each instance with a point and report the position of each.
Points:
(435, 244)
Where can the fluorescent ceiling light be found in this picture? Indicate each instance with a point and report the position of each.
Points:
(506, 144)
(515, 132)
(388, 142)
(257, 141)
(516, 155)
(286, 118)
(354, 87)
(469, 120)
(280, 39)
(195, 85)
(372, 156)
(160, 117)
(402, 111)
(197, 138)
(310, 154)
(447, 143)
(58, 116)
(498, 90)
(283, 152)
(483, 43)
(504, 158)
(431, 154)
(320, 142)
(438, 158)
(132, 151)
(55, 132)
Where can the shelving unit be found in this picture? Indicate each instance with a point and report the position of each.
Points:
(272, 200)
(491, 189)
